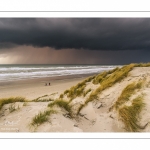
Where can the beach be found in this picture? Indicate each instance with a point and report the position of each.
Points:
(29, 80)
(34, 88)
(18, 121)
(79, 103)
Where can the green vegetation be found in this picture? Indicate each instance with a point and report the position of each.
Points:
(130, 115)
(77, 90)
(42, 117)
(63, 104)
(142, 65)
(79, 109)
(93, 96)
(86, 92)
(61, 96)
(126, 93)
(12, 108)
(89, 79)
(66, 91)
(43, 100)
(4, 101)
(101, 77)
(116, 75)
(54, 93)
(25, 104)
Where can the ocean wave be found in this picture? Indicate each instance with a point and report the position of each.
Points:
(17, 73)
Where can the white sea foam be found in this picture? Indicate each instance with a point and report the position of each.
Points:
(10, 73)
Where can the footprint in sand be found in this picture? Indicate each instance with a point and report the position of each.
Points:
(28, 118)
(28, 109)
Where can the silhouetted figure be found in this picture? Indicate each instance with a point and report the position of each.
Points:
(49, 83)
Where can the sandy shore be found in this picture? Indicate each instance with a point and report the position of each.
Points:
(34, 88)
(96, 116)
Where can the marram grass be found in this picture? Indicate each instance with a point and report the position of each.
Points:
(43, 100)
(100, 77)
(12, 108)
(142, 65)
(130, 115)
(62, 104)
(86, 92)
(42, 117)
(4, 101)
(79, 108)
(127, 93)
(116, 75)
(77, 90)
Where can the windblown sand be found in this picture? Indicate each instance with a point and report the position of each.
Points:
(95, 117)
(34, 88)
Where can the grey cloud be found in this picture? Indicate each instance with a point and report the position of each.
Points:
(31, 55)
(77, 33)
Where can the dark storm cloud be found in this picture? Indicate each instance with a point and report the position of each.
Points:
(81, 33)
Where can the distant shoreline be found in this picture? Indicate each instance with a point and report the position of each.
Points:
(112, 101)
(45, 79)
(33, 88)
(35, 72)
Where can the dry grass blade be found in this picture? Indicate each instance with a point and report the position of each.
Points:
(130, 114)
(4, 101)
(86, 92)
(12, 108)
(126, 93)
(116, 76)
(77, 90)
(42, 117)
(101, 77)
(63, 104)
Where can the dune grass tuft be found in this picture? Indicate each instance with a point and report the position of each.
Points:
(63, 104)
(117, 75)
(89, 79)
(43, 100)
(42, 117)
(86, 92)
(79, 109)
(25, 103)
(126, 93)
(66, 91)
(113, 78)
(142, 65)
(61, 96)
(130, 114)
(4, 101)
(42, 96)
(12, 108)
(100, 77)
(77, 90)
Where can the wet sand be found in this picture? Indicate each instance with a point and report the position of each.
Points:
(33, 88)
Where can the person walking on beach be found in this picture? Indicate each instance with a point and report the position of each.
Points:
(49, 83)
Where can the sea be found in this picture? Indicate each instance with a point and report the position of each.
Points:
(22, 72)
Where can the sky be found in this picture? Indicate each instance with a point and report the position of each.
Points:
(103, 41)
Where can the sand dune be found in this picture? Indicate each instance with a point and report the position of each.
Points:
(98, 115)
